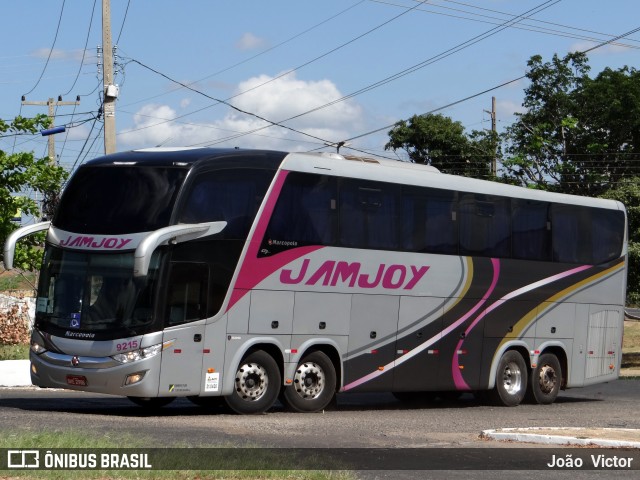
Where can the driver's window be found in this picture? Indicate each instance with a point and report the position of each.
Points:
(186, 299)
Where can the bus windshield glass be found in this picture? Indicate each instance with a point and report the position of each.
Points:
(94, 295)
(119, 199)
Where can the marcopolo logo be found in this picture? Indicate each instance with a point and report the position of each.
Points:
(23, 459)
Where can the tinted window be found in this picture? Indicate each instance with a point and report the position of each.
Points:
(586, 235)
(571, 234)
(607, 230)
(531, 233)
(428, 221)
(233, 196)
(368, 215)
(305, 213)
(485, 225)
(119, 199)
(186, 293)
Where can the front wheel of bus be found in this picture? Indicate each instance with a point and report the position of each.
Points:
(257, 384)
(314, 384)
(511, 380)
(546, 379)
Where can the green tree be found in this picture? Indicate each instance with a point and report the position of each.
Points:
(441, 142)
(23, 172)
(627, 191)
(579, 134)
(608, 140)
(538, 145)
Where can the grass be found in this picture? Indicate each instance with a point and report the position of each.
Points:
(14, 352)
(631, 345)
(11, 280)
(48, 440)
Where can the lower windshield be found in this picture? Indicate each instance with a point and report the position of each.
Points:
(94, 295)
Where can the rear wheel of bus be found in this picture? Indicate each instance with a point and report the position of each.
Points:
(511, 380)
(546, 380)
(257, 384)
(314, 384)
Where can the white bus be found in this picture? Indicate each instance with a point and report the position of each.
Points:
(250, 275)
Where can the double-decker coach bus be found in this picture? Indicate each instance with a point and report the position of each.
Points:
(257, 275)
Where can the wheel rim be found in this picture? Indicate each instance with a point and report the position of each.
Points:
(512, 378)
(251, 381)
(547, 379)
(309, 380)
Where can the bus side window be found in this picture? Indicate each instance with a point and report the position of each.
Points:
(305, 213)
(429, 221)
(368, 215)
(485, 226)
(571, 234)
(531, 230)
(186, 298)
(607, 230)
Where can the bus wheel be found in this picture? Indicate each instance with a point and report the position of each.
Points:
(511, 380)
(152, 402)
(546, 379)
(257, 384)
(314, 384)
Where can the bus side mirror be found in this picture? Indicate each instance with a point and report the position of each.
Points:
(12, 239)
(172, 234)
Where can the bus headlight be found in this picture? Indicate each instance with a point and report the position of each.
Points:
(37, 348)
(135, 355)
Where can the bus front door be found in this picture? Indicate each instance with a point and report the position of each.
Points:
(185, 313)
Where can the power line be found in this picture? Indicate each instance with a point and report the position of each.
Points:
(123, 21)
(602, 44)
(254, 56)
(352, 40)
(240, 110)
(84, 50)
(50, 50)
(418, 66)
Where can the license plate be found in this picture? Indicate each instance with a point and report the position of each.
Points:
(77, 380)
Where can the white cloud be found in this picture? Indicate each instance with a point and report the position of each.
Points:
(185, 102)
(275, 100)
(57, 54)
(249, 41)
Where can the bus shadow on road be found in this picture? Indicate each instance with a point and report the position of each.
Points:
(87, 404)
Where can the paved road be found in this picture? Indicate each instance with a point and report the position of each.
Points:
(358, 420)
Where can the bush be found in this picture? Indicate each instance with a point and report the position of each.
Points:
(14, 325)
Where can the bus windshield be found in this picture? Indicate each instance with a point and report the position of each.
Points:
(94, 295)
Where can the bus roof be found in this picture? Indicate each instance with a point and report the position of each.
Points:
(334, 164)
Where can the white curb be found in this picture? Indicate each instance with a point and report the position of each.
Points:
(566, 436)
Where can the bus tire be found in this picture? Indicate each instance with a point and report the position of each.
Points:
(511, 380)
(546, 380)
(152, 402)
(314, 384)
(257, 384)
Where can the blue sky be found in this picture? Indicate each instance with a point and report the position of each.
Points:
(282, 58)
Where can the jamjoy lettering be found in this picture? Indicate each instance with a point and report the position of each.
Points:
(332, 273)
(114, 243)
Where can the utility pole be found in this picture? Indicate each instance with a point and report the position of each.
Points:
(110, 90)
(494, 129)
(51, 103)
